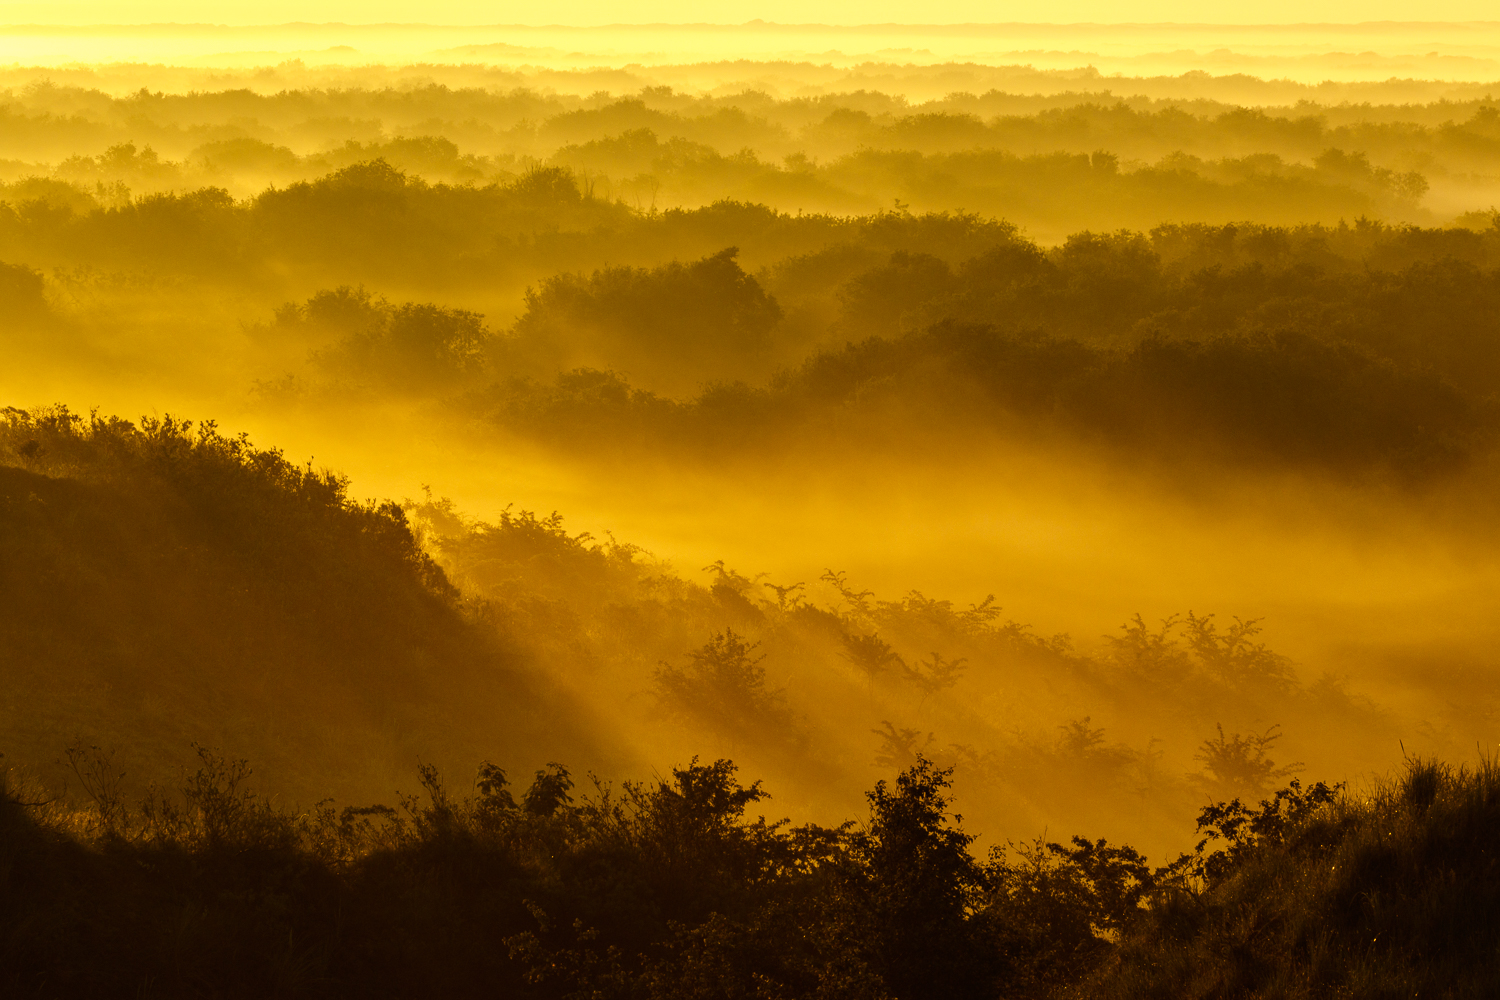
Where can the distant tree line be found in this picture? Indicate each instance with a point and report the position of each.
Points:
(1355, 349)
(1059, 161)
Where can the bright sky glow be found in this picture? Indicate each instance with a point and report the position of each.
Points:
(595, 12)
(1307, 53)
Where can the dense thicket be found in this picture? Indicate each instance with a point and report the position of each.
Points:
(660, 889)
(1257, 400)
(670, 888)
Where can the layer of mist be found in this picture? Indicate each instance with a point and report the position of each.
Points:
(1123, 443)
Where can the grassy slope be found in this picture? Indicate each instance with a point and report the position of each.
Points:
(161, 585)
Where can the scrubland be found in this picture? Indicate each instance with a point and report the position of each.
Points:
(1077, 459)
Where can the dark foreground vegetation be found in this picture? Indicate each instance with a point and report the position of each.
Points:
(677, 888)
(662, 302)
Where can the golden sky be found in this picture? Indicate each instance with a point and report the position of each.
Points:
(593, 12)
(1060, 34)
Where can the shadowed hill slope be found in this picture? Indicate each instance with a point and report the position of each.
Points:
(162, 583)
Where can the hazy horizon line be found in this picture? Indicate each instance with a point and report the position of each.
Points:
(759, 23)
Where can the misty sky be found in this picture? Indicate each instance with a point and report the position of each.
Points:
(586, 12)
